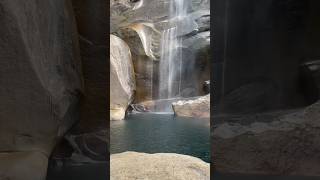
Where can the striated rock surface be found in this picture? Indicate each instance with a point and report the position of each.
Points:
(133, 165)
(122, 81)
(89, 147)
(277, 143)
(199, 107)
(40, 84)
(80, 149)
(141, 23)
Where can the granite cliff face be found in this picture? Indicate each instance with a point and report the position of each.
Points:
(141, 24)
(53, 77)
(122, 81)
(40, 85)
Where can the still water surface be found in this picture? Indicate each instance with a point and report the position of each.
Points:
(161, 133)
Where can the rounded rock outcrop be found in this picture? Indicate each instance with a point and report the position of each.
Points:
(122, 81)
(166, 166)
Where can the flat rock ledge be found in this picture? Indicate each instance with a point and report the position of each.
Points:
(288, 144)
(160, 166)
(199, 107)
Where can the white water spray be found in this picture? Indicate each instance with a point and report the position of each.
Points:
(170, 67)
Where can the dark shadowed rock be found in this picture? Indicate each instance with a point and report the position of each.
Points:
(92, 24)
(272, 143)
(23, 166)
(40, 83)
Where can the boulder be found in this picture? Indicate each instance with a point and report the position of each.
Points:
(40, 83)
(161, 105)
(133, 165)
(122, 81)
(274, 143)
(199, 107)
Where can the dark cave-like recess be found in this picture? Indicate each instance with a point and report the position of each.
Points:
(267, 55)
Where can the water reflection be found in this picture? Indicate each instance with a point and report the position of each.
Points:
(155, 133)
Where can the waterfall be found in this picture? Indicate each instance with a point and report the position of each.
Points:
(170, 67)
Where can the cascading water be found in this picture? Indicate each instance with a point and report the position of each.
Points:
(170, 66)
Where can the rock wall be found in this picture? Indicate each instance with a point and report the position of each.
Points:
(40, 84)
(140, 23)
(275, 143)
(87, 142)
(122, 80)
(259, 67)
(92, 25)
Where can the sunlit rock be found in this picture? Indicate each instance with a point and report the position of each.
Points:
(160, 105)
(122, 81)
(133, 165)
(199, 107)
(148, 37)
(144, 25)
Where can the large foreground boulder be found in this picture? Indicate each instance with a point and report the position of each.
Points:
(199, 107)
(275, 143)
(133, 165)
(40, 83)
(122, 81)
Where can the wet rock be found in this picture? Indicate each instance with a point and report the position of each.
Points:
(199, 107)
(188, 92)
(122, 81)
(140, 24)
(124, 12)
(138, 108)
(160, 105)
(286, 144)
(133, 165)
(144, 59)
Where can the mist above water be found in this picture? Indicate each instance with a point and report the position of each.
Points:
(170, 67)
